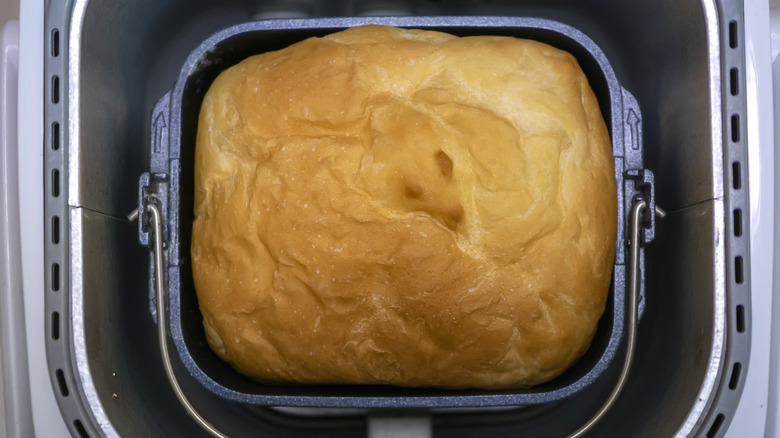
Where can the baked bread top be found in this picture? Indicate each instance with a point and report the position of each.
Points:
(405, 207)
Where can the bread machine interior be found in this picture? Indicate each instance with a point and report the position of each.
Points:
(658, 51)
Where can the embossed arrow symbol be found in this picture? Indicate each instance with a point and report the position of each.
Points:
(159, 126)
(633, 123)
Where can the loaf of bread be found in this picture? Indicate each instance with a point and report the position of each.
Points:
(403, 207)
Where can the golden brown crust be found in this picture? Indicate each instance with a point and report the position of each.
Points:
(403, 207)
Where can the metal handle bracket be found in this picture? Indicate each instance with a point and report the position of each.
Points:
(643, 181)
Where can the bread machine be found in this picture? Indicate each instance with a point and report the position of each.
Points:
(106, 66)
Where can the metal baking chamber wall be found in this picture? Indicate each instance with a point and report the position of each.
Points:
(108, 62)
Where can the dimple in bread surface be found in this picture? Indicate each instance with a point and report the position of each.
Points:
(404, 207)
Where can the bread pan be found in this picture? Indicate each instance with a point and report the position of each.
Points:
(170, 180)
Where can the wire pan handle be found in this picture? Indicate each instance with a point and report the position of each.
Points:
(637, 211)
(162, 337)
(633, 306)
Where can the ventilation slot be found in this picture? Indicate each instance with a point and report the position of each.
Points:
(738, 274)
(736, 175)
(734, 81)
(55, 89)
(55, 230)
(738, 222)
(715, 426)
(733, 34)
(55, 136)
(55, 326)
(61, 383)
(734, 380)
(735, 128)
(55, 183)
(741, 318)
(55, 277)
(80, 429)
(55, 43)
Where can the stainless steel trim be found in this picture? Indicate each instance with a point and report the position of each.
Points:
(697, 412)
(716, 110)
(73, 137)
(81, 360)
(77, 263)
